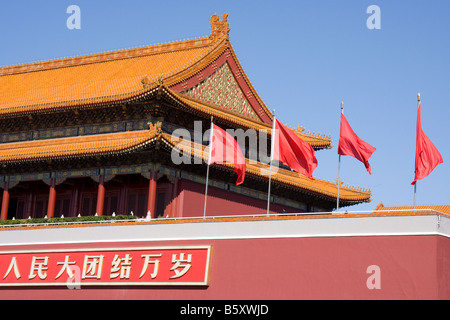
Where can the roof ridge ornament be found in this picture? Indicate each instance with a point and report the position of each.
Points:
(155, 128)
(219, 28)
(145, 82)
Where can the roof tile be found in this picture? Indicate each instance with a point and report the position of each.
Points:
(83, 146)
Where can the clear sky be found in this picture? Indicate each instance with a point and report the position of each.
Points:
(303, 57)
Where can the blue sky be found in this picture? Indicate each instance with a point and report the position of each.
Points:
(303, 57)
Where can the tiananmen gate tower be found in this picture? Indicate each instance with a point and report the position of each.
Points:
(95, 136)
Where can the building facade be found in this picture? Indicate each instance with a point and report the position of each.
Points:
(97, 135)
(123, 133)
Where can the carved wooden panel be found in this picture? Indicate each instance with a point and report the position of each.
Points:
(222, 90)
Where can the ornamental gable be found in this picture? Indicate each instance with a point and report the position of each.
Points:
(222, 90)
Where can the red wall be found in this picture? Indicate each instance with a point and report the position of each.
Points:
(412, 267)
(221, 202)
(443, 267)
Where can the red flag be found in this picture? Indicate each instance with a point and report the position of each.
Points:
(293, 151)
(351, 145)
(224, 148)
(427, 155)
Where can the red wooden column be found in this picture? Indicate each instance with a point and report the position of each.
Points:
(101, 196)
(123, 199)
(75, 201)
(29, 203)
(5, 202)
(152, 194)
(51, 199)
(173, 198)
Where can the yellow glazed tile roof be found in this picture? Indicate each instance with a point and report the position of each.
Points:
(117, 76)
(110, 77)
(93, 79)
(114, 143)
(317, 141)
(286, 177)
(74, 147)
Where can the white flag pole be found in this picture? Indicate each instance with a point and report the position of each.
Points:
(415, 184)
(339, 169)
(272, 150)
(415, 191)
(209, 163)
(338, 183)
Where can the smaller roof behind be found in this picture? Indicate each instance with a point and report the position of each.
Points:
(445, 209)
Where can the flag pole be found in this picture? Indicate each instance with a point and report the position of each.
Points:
(339, 170)
(338, 183)
(415, 191)
(415, 184)
(207, 170)
(272, 149)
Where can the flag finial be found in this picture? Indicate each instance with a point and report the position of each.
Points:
(418, 97)
(342, 105)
